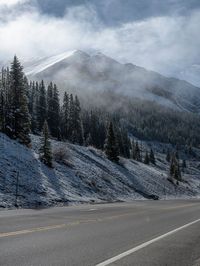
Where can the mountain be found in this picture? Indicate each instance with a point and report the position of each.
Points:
(82, 72)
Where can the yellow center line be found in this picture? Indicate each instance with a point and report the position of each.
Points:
(78, 222)
(37, 229)
(59, 226)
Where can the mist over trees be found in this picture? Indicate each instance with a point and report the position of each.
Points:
(147, 120)
(35, 107)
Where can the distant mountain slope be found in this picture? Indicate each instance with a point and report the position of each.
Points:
(85, 176)
(82, 72)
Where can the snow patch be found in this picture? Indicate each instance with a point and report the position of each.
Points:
(35, 69)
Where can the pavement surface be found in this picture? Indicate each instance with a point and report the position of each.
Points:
(148, 233)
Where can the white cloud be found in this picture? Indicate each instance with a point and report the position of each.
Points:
(166, 44)
(11, 2)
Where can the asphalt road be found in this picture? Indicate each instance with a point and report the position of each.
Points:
(139, 233)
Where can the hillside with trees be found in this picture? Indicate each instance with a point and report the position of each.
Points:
(128, 130)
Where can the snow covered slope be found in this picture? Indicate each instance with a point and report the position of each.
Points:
(92, 73)
(84, 176)
(48, 62)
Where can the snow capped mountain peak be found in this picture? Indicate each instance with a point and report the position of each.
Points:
(78, 56)
(48, 62)
(98, 72)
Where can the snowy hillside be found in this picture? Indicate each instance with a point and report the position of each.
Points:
(85, 175)
(98, 72)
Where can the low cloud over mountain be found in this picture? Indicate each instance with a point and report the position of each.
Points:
(157, 35)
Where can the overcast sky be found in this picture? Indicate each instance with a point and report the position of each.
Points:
(162, 35)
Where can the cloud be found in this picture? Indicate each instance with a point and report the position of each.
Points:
(114, 12)
(167, 44)
(11, 2)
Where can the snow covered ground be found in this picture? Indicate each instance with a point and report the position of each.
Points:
(84, 175)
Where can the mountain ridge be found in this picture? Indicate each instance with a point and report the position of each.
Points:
(97, 72)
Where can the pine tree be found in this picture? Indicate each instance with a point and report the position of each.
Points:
(45, 149)
(88, 141)
(146, 158)
(172, 167)
(20, 118)
(175, 171)
(33, 106)
(56, 113)
(41, 104)
(94, 129)
(190, 150)
(133, 150)
(126, 144)
(65, 116)
(50, 107)
(119, 140)
(141, 151)
(177, 155)
(53, 110)
(71, 117)
(184, 165)
(137, 152)
(111, 148)
(168, 156)
(5, 100)
(152, 157)
(78, 129)
(2, 101)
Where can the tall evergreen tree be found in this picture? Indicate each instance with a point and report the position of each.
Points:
(53, 110)
(111, 148)
(88, 141)
(20, 118)
(133, 150)
(119, 140)
(33, 106)
(56, 113)
(71, 117)
(41, 104)
(77, 127)
(146, 158)
(172, 167)
(175, 171)
(168, 156)
(50, 110)
(45, 148)
(97, 129)
(2, 101)
(5, 100)
(184, 165)
(126, 144)
(65, 116)
(137, 152)
(152, 157)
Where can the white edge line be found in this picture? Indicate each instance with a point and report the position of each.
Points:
(130, 251)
